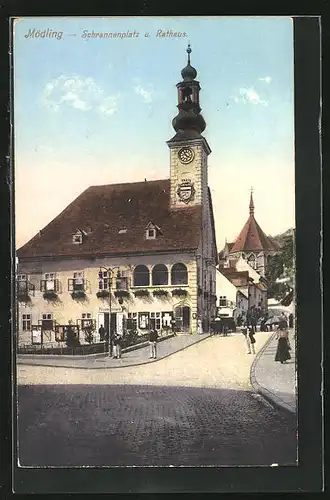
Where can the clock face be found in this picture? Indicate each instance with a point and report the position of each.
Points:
(186, 155)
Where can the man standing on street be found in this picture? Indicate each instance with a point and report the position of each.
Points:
(173, 326)
(153, 343)
(117, 346)
(101, 333)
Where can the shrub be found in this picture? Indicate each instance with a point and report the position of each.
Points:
(71, 338)
(89, 335)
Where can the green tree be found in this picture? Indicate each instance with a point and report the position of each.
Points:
(89, 334)
(71, 337)
(281, 265)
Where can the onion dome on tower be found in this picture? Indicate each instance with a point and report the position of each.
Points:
(189, 123)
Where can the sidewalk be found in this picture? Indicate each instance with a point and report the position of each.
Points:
(273, 380)
(132, 358)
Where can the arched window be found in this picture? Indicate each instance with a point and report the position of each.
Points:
(160, 275)
(141, 276)
(179, 274)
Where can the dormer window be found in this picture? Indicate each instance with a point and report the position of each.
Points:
(151, 234)
(152, 231)
(78, 237)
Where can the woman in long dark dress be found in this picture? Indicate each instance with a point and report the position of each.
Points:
(283, 345)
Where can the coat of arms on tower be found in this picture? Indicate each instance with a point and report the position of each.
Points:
(186, 191)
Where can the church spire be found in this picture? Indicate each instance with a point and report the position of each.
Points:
(251, 206)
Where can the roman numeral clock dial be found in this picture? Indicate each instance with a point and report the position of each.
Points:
(186, 155)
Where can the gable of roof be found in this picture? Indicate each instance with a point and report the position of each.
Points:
(109, 208)
(252, 238)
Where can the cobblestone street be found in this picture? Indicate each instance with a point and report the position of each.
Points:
(193, 408)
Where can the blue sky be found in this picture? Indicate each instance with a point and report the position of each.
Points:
(99, 110)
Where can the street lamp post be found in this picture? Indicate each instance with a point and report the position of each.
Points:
(109, 270)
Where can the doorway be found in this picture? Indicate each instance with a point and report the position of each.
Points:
(182, 319)
(103, 319)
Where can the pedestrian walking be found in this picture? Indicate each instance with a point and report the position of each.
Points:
(290, 320)
(117, 344)
(283, 343)
(249, 339)
(199, 326)
(252, 339)
(173, 326)
(153, 343)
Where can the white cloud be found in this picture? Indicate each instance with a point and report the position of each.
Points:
(249, 95)
(266, 79)
(109, 105)
(145, 94)
(79, 93)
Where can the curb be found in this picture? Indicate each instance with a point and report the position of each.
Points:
(258, 389)
(114, 367)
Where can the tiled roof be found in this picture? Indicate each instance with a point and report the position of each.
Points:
(252, 238)
(103, 212)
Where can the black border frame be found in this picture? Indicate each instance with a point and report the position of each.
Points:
(308, 475)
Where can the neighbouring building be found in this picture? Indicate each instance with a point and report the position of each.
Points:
(252, 245)
(226, 295)
(128, 256)
(249, 293)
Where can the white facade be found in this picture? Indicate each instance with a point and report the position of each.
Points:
(64, 309)
(226, 291)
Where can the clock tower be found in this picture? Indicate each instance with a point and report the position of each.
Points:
(188, 148)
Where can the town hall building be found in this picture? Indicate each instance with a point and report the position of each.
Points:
(130, 256)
